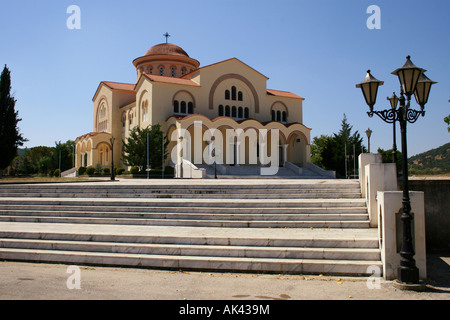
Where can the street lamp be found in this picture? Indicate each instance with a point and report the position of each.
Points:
(412, 82)
(394, 102)
(112, 139)
(368, 133)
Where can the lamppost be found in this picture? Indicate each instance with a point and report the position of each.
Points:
(368, 133)
(412, 81)
(112, 139)
(394, 102)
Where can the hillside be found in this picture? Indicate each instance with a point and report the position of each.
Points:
(435, 161)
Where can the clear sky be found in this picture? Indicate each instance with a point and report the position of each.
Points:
(318, 49)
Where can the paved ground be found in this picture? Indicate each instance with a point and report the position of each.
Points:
(50, 282)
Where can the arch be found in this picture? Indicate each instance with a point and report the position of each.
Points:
(188, 93)
(233, 76)
(272, 107)
(103, 100)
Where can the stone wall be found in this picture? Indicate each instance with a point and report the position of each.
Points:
(437, 211)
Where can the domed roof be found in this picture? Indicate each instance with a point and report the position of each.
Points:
(166, 49)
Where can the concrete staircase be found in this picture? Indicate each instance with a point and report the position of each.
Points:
(254, 172)
(282, 226)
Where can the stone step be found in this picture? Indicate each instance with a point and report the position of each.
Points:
(235, 249)
(221, 186)
(196, 250)
(167, 202)
(192, 222)
(272, 265)
(167, 209)
(291, 237)
(235, 195)
(190, 216)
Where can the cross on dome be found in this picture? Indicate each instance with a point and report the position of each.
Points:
(167, 35)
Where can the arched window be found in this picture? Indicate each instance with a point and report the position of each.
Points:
(161, 71)
(278, 115)
(227, 111)
(220, 110)
(246, 113)
(233, 112)
(273, 115)
(124, 120)
(240, 97)
(145, 110)
(183, 71)
(150, 70)
(190, 108)
(176, 106)
(183, 107)
(233, 93)
(227, 94)
(102, 118)
(172, 70)
(240, 113)
(284, 117)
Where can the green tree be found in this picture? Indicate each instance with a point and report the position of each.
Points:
(333, 152)
(387, 157)
(65, 150)
(447, 121)
(317, 149)
(10, 138)
(135, 148)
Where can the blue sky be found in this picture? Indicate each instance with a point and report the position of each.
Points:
(318, 49)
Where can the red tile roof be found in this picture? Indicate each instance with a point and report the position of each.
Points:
(283, 94)
(119, 86)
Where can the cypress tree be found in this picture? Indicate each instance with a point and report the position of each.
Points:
(10, 138)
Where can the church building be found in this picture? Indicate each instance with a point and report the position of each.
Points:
(192, 103)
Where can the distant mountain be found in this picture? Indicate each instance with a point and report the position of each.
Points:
(434, 161)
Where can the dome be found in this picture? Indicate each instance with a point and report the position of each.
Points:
(166, 49)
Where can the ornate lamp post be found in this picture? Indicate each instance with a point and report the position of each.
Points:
(412, 81)
(394, 102)
(368, 133)
(112, 139)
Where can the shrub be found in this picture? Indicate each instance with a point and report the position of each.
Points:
(50, 173)
(98, 168)
(134, 170)
(56, 173)
(81, 170)
(106, 171)
(90, 171)
(119, 171)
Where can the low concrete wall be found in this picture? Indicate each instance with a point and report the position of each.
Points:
(437, 211)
